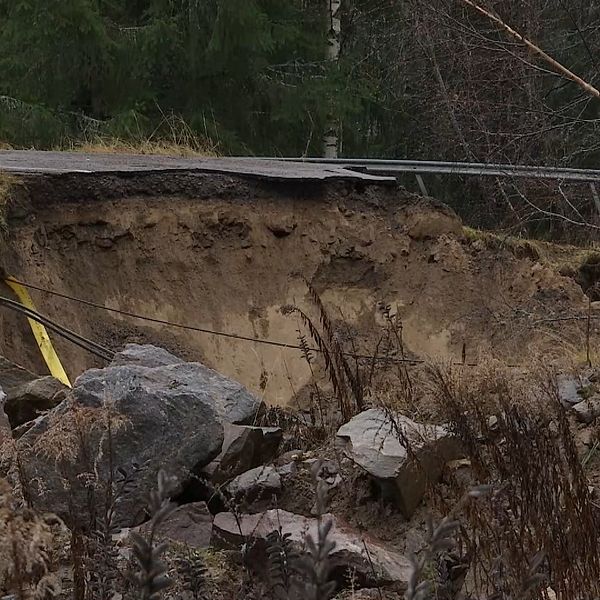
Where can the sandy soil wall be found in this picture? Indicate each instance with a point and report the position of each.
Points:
(226, 254)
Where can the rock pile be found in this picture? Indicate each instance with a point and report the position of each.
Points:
(153, 410)
(149, 411)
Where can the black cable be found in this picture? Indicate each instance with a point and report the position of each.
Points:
(235, 336)
(72, 336)
(224, 334)
(69, 335)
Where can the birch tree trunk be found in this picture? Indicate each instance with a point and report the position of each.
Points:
(334, 20)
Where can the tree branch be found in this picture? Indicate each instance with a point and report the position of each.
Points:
(590, 89)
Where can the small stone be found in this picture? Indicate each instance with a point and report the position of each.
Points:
(290, 456)
(588, 410)
(570, 389)
(190, 524)
(415, 541)
(256, 488)
(5, 429)
(586, 437)
(104, 243)
(287, 470)
(26, 402)
(493, 423)
(281, 228)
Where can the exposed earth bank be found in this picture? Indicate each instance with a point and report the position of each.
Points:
(226, 253)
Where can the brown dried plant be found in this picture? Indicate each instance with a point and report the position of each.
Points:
(26, 549)
(354, 377)
(519, 442)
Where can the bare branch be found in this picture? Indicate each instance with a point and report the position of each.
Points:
(590, 89)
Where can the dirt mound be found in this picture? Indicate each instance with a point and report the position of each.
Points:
(225, 254)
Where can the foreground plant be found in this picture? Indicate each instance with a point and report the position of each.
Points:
(540, 504)
(150, 572)
(27, 543)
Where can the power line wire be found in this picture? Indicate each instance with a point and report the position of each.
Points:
(235, 336)
(72, 336)
(228, 335)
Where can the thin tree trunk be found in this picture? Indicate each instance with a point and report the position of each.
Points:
(334, 20)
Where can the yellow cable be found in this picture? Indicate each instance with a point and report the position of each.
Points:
(41, 335)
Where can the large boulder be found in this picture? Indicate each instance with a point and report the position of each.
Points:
(402, 456)
(167, 417)
(354, 559)
(145, 356)
(231, 400)
(244, 448)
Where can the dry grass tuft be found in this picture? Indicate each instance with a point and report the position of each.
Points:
(563, 258)
(27, 549)
(351, 378)
(518, 439)
(172, 137)
(145, 147)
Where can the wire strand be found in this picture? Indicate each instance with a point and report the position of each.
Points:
(75, 338)
(224, 334)
(233, 336)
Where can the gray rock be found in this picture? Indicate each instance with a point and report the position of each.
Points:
(15, 382)
(190, 524)
(460, 472)
(282, 227)
(244, 448)
(5, 429)
(415, 541)
(21, 430)
(255, 488)
(13, 375)
(287, 470)
(372, 441)
(588, 410)
(570, 388)
(231, 400)
(161, 419)
(145, 356)
(587, 437)
(349, 560)
(27, 401)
